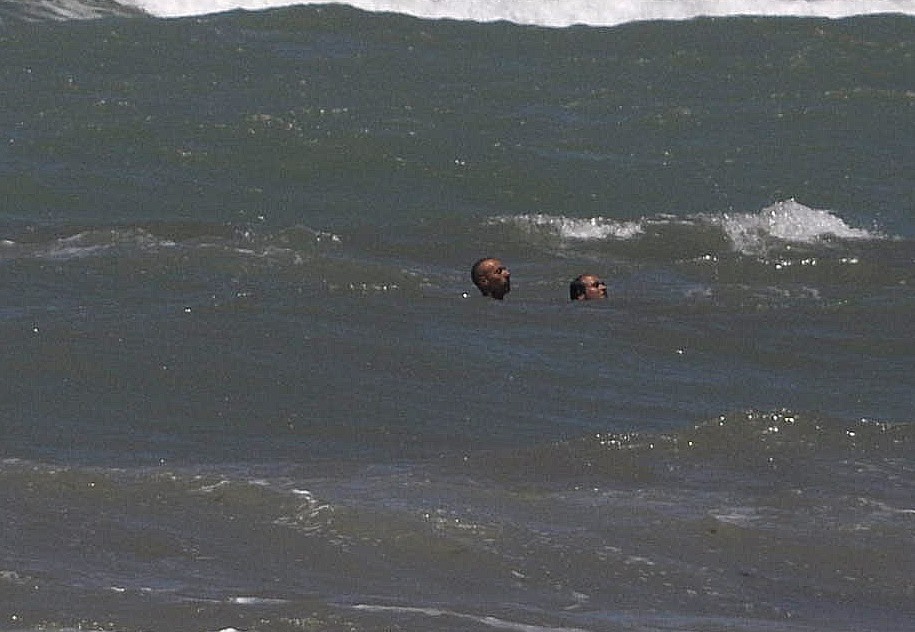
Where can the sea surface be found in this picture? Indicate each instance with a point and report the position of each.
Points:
(247, 385)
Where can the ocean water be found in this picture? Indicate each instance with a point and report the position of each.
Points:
(248, 385)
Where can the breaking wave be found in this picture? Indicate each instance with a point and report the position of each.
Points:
(554, 13)
(752, 233)
(787, 222)
(36, 10)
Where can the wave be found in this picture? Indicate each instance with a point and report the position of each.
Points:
(559, 13)
(551, 13)
(69, 243)
(787, 222)
(817, 244)
(489, 621)
(294, 495)
(781, 224)
(37, 10)
(156, 250)
(744, 442)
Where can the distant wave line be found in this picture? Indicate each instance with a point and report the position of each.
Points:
(556, 13)
(490, 621)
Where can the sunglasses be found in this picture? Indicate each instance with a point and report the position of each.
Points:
(596, 284)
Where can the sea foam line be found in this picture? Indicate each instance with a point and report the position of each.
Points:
(493, 622)
(750, 233)
(557, 13)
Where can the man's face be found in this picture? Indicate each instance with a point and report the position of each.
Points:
(594, 287)
(495, 278)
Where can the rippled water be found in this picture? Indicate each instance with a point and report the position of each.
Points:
(248, 385)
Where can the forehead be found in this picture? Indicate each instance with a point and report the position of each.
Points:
(490, 265)
(588, 278)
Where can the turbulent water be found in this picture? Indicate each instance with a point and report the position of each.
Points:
(248, 385)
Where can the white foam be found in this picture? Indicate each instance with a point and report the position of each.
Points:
(558, 13)
(493, 622)
(587, 229)
(789, 221)
(64, 9)
(255, 601)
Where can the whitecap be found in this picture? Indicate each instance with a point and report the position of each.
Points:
(554, 13)
(786, 222)
(581, 229)
(255, 601)
(490, 621)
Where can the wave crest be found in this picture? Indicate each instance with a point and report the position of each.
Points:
(593, 228)
(788, 222)
(36, 10)
(775, 227)
(549, 13)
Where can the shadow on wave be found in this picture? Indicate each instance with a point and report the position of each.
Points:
(39, 10)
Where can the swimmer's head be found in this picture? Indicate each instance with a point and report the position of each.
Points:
(586, 287)
(491, 277)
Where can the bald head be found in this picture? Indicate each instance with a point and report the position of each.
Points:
(491, 277)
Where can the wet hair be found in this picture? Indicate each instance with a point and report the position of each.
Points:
(475, 274)
(577, 288)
